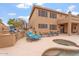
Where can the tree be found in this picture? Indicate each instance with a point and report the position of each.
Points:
(17, 23)
(11, 22)
(22, 22)
(0, 20)
(69, 12)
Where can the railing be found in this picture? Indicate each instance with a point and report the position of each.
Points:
(63, 19)
(75, 18)
(67, 18)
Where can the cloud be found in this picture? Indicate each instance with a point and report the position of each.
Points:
(29, 3)
(59, 10)
(75, 13)
(20, 6)
(25, 18)
(71, 7)
(23, 5)
(12, 14)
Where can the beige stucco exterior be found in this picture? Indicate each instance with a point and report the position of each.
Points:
(67, 20)
(3, 27)
(9, 39)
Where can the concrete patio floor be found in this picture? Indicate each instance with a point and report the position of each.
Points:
(36, 48)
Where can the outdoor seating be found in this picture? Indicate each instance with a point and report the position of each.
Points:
(53, 33)
(32, 36)
(49, 34)
(56, 33)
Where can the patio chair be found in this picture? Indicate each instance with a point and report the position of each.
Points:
(56, 33)
(53, 33)
(49, 34)
(32, 36)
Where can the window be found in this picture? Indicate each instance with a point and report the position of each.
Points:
(42, 26)
(53, 15)
(53, 27)
(42, 13)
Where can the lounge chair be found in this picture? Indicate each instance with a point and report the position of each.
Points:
(32, 36)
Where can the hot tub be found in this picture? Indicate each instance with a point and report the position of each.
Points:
(64, 42)
(63, 51)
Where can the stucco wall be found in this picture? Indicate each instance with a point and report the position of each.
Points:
(62, 18)
(20, 35)
(35, 20)
(7, 40)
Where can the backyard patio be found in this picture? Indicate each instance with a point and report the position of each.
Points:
(36, 48)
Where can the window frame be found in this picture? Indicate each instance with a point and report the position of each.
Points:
(42, 13)
(53, 15)
(53, 27)
(43, 26)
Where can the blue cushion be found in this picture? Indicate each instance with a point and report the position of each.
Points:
(33, 36)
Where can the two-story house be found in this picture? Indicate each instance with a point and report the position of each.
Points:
(45, 20)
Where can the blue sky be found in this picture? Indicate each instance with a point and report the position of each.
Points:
(20, 10)
(8, 11)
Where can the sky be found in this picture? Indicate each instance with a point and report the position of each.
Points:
(23, 10)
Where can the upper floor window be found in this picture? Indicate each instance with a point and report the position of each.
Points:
(42, 26)
(42, 13)
(53, 15)
(53, 27)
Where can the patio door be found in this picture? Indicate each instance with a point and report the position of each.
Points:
(62, 29)
(74, 28)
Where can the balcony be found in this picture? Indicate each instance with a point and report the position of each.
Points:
(73, 19)
(63, 20)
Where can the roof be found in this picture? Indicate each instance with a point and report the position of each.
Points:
(48, 9)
